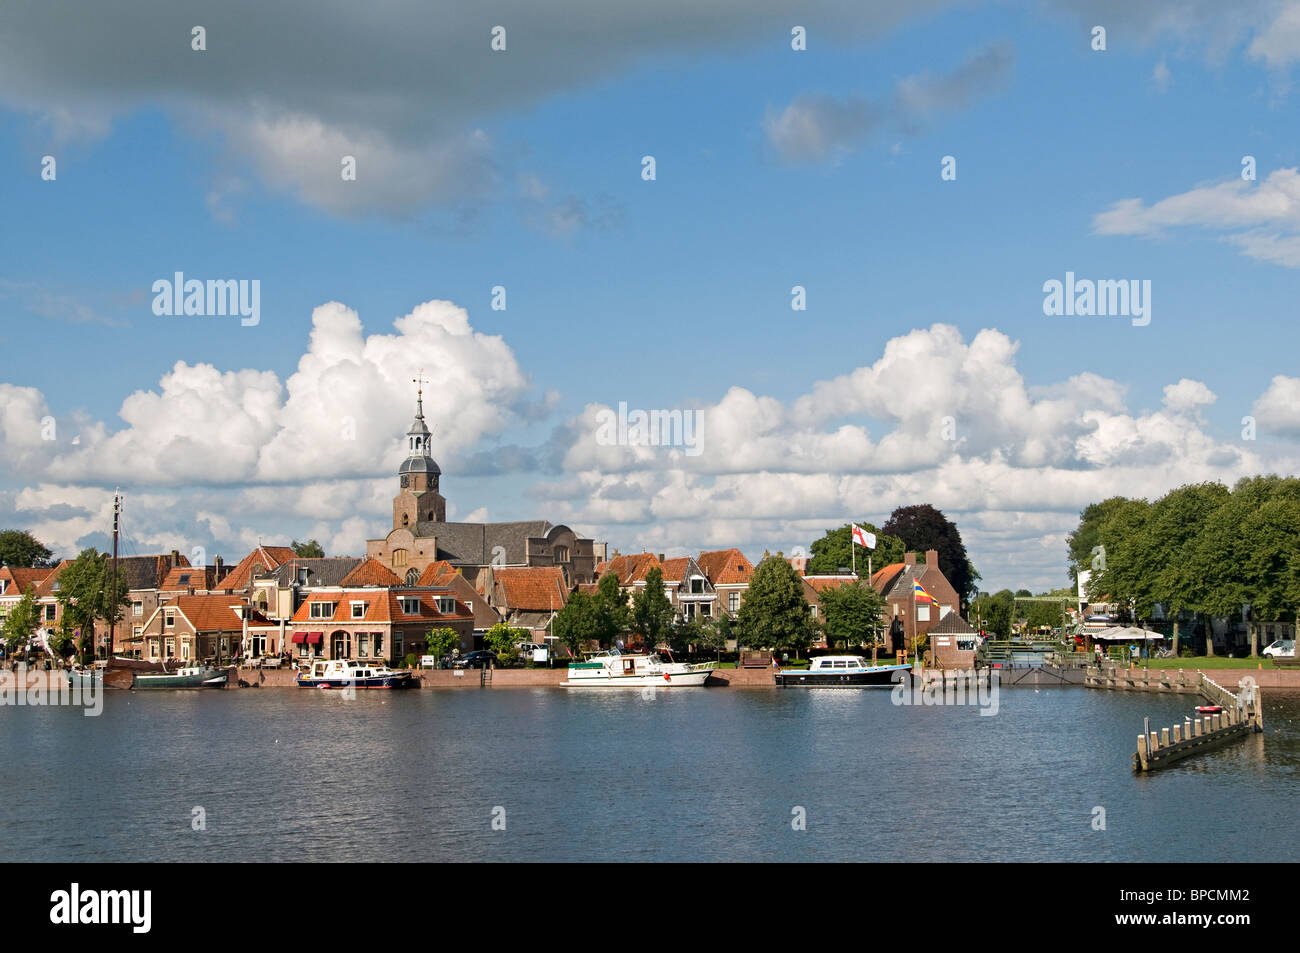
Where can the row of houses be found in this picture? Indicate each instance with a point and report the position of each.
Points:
(273, 602)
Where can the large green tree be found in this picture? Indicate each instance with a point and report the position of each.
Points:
(1082, 544)
(775, 613)
(995, 613)
(652, 612)
(85, 593)
(922, 527)
(833, 552)
(851, 615)
(578, 623)
(613, 614)
(20, 548)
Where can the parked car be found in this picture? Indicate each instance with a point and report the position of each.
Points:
(478, 659)
(1282, 648)
(528, 648)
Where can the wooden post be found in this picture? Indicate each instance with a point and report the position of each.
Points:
(1197, 725)
(1164, 737)
(1142, 751)
(1178, 733)
(1154, 744)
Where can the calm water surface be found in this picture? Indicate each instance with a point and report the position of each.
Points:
(710, 774)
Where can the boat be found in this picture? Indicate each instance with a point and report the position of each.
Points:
(617, 669)
(840, 671)
(154, 676)
(1208, 709)
(352, 673)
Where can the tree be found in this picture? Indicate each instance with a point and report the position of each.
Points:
(20, 548)
(1126, 576)
(504, 640)
(308, 550)
(833, 552)
(85, 594)
(923, 527)
(613, 614)
(20, 623)
(652, 613)
(851, 615)
(577, 623)
(441, 642)
(996, 613)
(775, 613)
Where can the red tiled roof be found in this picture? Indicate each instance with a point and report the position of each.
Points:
(629, 569)
(381, 606)
(535, 588)
(726, 566)
(46, 586)
(435, 571)
(201, 578)
(267, 557)
(215, 613)
(371, 572)
(675, 568)
(822, 583)
(21, 577)
(881, 578)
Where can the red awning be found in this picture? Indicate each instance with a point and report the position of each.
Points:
(299, 638)
(315, 638)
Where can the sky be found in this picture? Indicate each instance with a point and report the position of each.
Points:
(921, 367)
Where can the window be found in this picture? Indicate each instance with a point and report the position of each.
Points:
(922, 613)
(137, 631)
(561, 554)
(169, 620)
(379, 643)
(412, 578)
(185, 579)
(446, 606)
(733, 602)
(49, 612)
(363, 644)
(706, 610)
(813, 610)
(153, 649)
(399, 557)
(358, 610)
(302, 577)
(185, 650)
(410, 605)
(137, 607)
(697, 586)
(322, 610)
(171, 648)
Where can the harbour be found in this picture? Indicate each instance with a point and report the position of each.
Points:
(714, 774)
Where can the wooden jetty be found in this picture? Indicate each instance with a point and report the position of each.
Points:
(1242, 714)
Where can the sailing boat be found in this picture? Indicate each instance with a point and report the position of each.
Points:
(129, 673)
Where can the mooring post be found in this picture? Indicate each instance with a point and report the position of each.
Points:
(1142, 751)
(1164, 737)
(1178, 733)
(1154, 744)
(1197, 726)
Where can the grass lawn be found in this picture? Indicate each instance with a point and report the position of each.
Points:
(1205, 662)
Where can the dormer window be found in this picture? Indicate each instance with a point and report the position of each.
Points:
(322, 610)
(358, 610)
(302, 577)
(410, 605)
(446, 606)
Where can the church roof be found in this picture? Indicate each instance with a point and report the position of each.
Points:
(419, 465)
(371, 573)
(475, 544)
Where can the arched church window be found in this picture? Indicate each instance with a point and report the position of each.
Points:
(399, 557)
(412, 577)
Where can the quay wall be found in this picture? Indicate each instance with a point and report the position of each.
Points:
(504, 678)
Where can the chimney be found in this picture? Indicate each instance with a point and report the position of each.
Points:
(932, 558)
(909, 559)
(217, 566)
(175, 558)
(661, 557)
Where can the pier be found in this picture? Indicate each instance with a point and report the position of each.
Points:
(1242, 714)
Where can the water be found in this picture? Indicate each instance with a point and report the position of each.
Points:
(710, 774)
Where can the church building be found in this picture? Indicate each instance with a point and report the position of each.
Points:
(421, 534)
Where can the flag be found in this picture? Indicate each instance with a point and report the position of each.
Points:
(919, 593)
(863, 538)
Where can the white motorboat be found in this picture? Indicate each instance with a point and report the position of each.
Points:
(615, 669)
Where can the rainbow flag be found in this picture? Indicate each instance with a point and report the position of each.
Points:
(919, 593)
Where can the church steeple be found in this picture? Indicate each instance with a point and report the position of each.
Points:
(419, 473)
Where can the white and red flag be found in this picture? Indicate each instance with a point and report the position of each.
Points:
(863, 538)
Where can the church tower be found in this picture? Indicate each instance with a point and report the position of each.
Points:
(418, 499)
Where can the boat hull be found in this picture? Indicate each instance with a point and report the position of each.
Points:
(692, 679)
(882, 677)
(379, 681)
(205, 678)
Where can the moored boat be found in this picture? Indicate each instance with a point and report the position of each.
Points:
(616, 669)
(352, 673)
(154, 676)
(840, 671)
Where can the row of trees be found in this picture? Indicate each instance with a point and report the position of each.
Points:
(996, 614)
(1201, 549)
(85, 594)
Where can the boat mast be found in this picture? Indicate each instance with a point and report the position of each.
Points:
(112, 597)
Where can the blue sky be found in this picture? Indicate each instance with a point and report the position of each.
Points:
(671, 293)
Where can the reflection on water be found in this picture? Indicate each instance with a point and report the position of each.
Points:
(676, 775)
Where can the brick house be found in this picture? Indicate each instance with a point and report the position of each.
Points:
(691, 592)
(729, 572)
(443, 575)
(198, 628)
(953, 642)
(527, 597)
(898, 583)
(376, 622)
